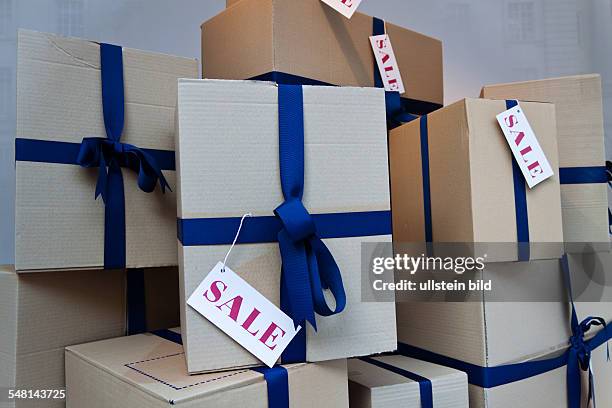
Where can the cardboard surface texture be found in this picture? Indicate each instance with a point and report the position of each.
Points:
(494, 333)
(371, 386)
(228, 166)
(309, 39)
(471, 180)
(59, 225)
(148, 371)
(578, 102)
(41, 313)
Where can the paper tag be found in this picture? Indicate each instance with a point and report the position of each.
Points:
(345, 7)
(387, 64)
(244, 314)
(525, 147)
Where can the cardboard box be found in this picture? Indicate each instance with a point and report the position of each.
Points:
(308, 39)
(149, 371)
(234, 170)
(580, 134)
(59, 224)
(394, 381)
(496, 333)
(41, 313)
(469, 184)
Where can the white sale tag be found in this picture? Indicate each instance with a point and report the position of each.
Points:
(525, 147)
(387, 64)
(244, 314)
(345, 7)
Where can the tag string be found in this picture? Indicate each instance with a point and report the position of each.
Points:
(235, 239)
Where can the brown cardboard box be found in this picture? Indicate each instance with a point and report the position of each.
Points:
(59, 225)
(237, 164)
(149, 371)
(471, 180)
(578, 101)
(41, 313)
(309, 39)
(380, 382)
(489, 333)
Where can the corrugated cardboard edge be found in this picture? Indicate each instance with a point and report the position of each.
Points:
(82, 359)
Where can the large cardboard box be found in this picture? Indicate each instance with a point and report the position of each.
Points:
(580, 134)
(309, 40)
(228, 161)
(59, 223)
(41, 313)
(398, 381)
(149, 371)
(492, 333)
(452, 181)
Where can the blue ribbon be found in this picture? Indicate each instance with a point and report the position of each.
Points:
(425, 386)
(136, 309)
(520, 204)
(579, 353)
(265, 229)
(307, 265)
(576, 357)
(277, 379)
(426, 179)
(108, 155)
(277, 382)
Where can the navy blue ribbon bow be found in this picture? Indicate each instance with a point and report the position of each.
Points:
(109, 155)
(579, 353)
(307, 265)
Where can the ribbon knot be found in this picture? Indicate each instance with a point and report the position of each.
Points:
(296, 220)
(108, 154)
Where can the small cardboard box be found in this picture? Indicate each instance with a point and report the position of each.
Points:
(41, 313)
(228, 161)
(59, 225)
(394, 381)
(580, 134)
(494, 333)
(149, 371)
(308, 39)
(454, 167)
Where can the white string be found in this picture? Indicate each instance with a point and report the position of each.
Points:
(235, 239)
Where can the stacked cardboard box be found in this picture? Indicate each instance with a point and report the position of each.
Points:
(41, 313)
(452, 182)
(306, 41)
(580, 133)
(148, 370)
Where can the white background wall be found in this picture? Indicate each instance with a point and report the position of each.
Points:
(485, 41)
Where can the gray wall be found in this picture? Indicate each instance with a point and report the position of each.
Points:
(485, 41)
